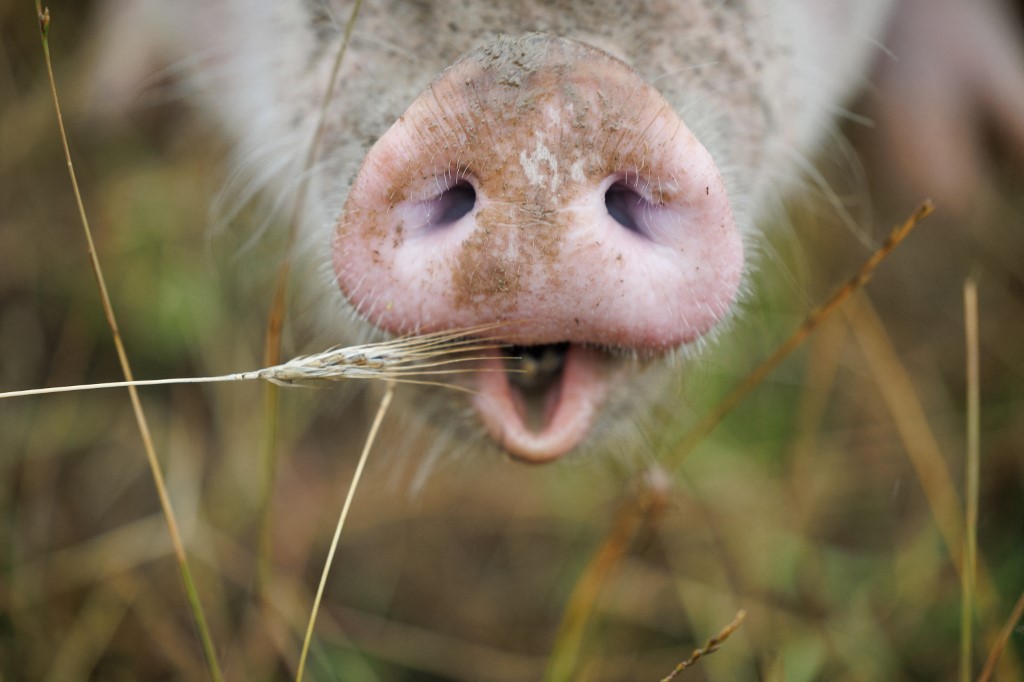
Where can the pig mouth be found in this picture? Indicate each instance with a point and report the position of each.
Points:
(538, 402)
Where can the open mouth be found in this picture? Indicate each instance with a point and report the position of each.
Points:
(535, 378)
(539, 402)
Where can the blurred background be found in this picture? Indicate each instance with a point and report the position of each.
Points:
(828, 505)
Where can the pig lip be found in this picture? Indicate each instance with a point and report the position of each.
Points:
(564, 401)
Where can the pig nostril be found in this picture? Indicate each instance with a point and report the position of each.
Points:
(452, 204)
(627, 207)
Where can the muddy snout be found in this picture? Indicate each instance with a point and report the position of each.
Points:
(542, 181)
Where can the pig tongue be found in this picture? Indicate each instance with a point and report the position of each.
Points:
(568, 410)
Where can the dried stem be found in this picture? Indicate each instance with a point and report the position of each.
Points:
(634, 512)
(813, 321)
(710, 647)
(403, 360)
(921, 446)
(919, 440)
(381, 411)
(1002, 640)
(275, 318)
(631, 516)
(140, 417)
(968, 581)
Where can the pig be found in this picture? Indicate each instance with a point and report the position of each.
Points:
(592, 176)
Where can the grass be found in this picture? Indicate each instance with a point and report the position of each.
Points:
(195, 605)
(827, 505)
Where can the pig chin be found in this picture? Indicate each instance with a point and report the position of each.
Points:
(542, 184)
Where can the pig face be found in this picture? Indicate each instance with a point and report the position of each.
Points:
(542, 184)
(582, 175)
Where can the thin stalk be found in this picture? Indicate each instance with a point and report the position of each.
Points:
(140, 417)
(565, 654)
(1002, 640)
(813, 321)
(404, 360)
(396, 376)
(710, 647)
(920, 442)
(634, 513)
(275, 318)
(381, 411)
(967, 576)
(922, 449)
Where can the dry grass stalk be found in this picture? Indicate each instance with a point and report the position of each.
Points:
(583, 596)
(921, 446)
(710, 647)
(381, 411)
(919, 440)
(407, 359)
(967, 576)
(276, 315)
(140, 417)
(632, 515)
(1002, 640)
(813, 321)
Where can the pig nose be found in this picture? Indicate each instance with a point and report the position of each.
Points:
(542, 182)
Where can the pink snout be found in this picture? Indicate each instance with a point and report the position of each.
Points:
(543, 183)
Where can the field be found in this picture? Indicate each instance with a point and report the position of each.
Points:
(829, 505)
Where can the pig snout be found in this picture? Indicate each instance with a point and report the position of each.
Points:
(541, 183)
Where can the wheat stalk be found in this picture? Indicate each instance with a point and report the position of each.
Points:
(404, 359)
